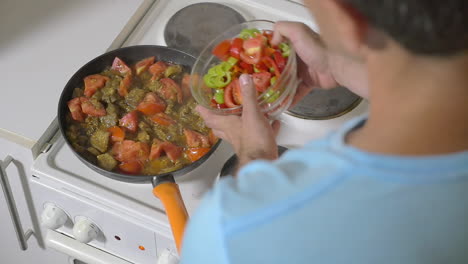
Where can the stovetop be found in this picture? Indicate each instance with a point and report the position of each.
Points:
(151, 29)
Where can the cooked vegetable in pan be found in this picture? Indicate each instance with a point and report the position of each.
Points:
(138, 119)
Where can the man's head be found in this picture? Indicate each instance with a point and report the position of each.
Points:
(422, 27)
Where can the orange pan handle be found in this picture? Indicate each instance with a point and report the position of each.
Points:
(168, 192)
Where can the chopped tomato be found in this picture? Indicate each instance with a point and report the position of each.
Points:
(117, 134)
(151, 104)
(93, 83)
(280, 60)
(75, 109)
(156, 150)
(157, 70)
(212, 138)
(236, 47)
(120, 66)
(270, 63)
(248, 68)
(228, 97)
(130, 121)
(195, 139)
(143, 65)
(129, 150)
(162, 119)
(195, 154)
(253, 46)
(132, 167)
(250, 59)
(92, 108)
(222, 50)
(261, 81)
(236, 92)
(173, 152)
(171, 90)
(125, 84)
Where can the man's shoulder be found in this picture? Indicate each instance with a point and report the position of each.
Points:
(263, 186)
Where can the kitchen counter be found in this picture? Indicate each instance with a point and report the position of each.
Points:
(42, 44)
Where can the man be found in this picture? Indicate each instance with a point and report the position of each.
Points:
(388, 188)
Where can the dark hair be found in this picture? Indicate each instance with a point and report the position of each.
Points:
(427, 27)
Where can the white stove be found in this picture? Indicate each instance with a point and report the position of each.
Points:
(123, 222)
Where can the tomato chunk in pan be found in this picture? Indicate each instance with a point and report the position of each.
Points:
(93, 83)
(195, 139)
(130, 121)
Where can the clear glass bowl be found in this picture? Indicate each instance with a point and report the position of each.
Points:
(274, 101)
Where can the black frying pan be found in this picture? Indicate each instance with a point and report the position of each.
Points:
(164, 185)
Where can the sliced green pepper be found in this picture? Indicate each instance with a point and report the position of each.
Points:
(285, 49)
(209, 80)
(248, 33)
(272, 96)
(232, 61)
(219, 96)
(273, 80)
(219, 75)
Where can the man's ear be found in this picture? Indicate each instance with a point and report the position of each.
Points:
(352, 27)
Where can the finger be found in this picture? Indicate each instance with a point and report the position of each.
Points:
(205, 113)
(249, 95)
(219, 133)
(276, 126)
(286, 29)
(277, 33)
(215, 121)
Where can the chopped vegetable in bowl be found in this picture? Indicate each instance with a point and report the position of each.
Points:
(250, 52)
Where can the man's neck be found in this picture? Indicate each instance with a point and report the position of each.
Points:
(419, 106)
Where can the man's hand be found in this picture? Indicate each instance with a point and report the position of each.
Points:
(316, 66)
(251, 134)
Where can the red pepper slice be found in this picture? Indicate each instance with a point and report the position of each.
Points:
(236, 47)
(270, 63)
(280, 60)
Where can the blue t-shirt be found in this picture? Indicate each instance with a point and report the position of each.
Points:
(331, 203)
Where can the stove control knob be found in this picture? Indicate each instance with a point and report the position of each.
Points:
(53, 217)
(85, 230)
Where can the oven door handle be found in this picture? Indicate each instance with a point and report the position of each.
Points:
(22, 236)
(80, 251)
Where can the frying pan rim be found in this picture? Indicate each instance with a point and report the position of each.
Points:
(110, 174)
